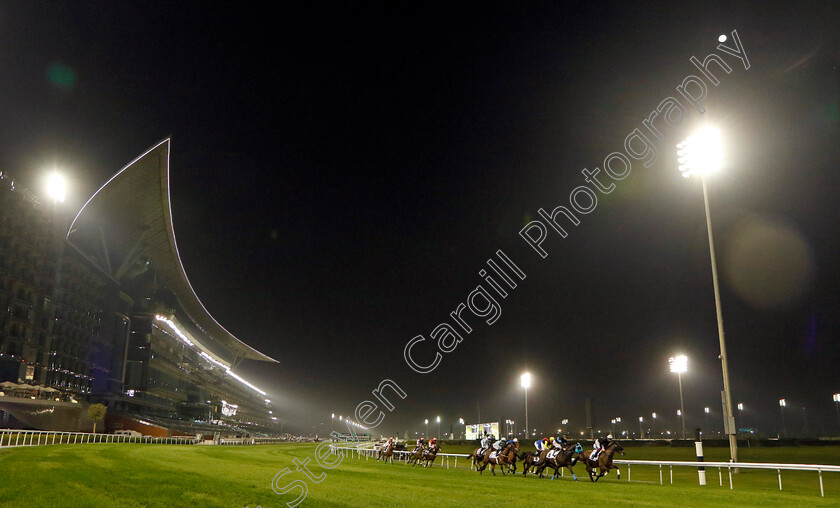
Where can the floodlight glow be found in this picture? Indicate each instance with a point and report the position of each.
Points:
(525, 380)
(740, 406)
(56, 187)
(427, 421)
(461, 421)
(653, 415)
(706, 409)
(679, 413)
(438, 419)
(678, 364)
(783, 402)
(836, 397)
(701, 153)
(641, 418)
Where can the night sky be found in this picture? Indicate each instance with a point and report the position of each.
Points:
(340, 176)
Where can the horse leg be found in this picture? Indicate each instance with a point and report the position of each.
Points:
(569, 467)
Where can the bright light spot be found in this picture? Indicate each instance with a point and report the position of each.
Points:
(722, 38)
(678, 363)
(783, 403)
(701, 153)
(56, 187)
(525, 380)
(740, 406)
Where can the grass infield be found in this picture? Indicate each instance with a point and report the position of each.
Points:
(137, 475)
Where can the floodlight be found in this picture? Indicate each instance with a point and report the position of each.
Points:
(701, 153)
(56, 187)
(678, 364)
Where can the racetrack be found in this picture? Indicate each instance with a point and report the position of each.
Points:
(107, 475)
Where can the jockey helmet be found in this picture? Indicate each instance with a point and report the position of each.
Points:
(515, 440)
(609, 436)
(551, 439)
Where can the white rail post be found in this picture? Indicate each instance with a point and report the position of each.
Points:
(730, 478)
(822, 492)
(672, 473)
(780, 478)
(720, 476)
(628, 472)
(701, 470)
(660, 474)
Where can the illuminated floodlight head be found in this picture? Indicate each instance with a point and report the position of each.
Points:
(56, 187)
(641, 418)
(701, 153)
(339, 417)
(653, 415)
(427, 421)
(706, 410)
(438, 419)
(618, 419)
(461, 421)
(836, 397)
(678, 364)
(333, 416)
(525, 380)
(740, 406)
(782, 403)
(679, 412)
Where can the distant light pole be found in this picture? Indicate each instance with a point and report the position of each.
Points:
(461, 421)
(641, 430)
(837, 405)
(706, 410)
(653, 415)
(618, 420)
(679, 364)
(805, 421)
(782, 404)
(525, 381)
(740, 415)
(438, 422)
(427, 428)
(612, 422)
(702, 154)
(332, 423)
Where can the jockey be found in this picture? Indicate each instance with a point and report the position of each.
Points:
(500, 444)
(601, 444)
(485, 443)
(562, 441)
(389, 443)
(432, 443)
(541, 444)
(419, 445)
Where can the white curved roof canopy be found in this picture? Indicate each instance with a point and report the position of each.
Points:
(129, 217)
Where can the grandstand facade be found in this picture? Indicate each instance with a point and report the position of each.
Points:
(103, 311)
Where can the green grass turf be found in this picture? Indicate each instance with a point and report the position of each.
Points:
(108, 475)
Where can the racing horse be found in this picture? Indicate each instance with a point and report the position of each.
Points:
(559, 458)
(386, 453)
(601, 466)
(429, 455)
(498, 458)
(533, 460)
(416, 455)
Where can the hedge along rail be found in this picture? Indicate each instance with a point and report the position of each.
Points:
(729, 466)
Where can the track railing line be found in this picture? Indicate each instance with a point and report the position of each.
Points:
(729, 466)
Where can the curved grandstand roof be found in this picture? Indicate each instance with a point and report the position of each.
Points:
(130, 217)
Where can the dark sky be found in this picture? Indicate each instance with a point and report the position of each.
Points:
(340, 176)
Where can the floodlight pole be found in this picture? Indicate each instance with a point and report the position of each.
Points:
(682, 404)
(727, 395)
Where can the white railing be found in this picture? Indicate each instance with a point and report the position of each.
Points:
(729, 466)
(13, 437)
